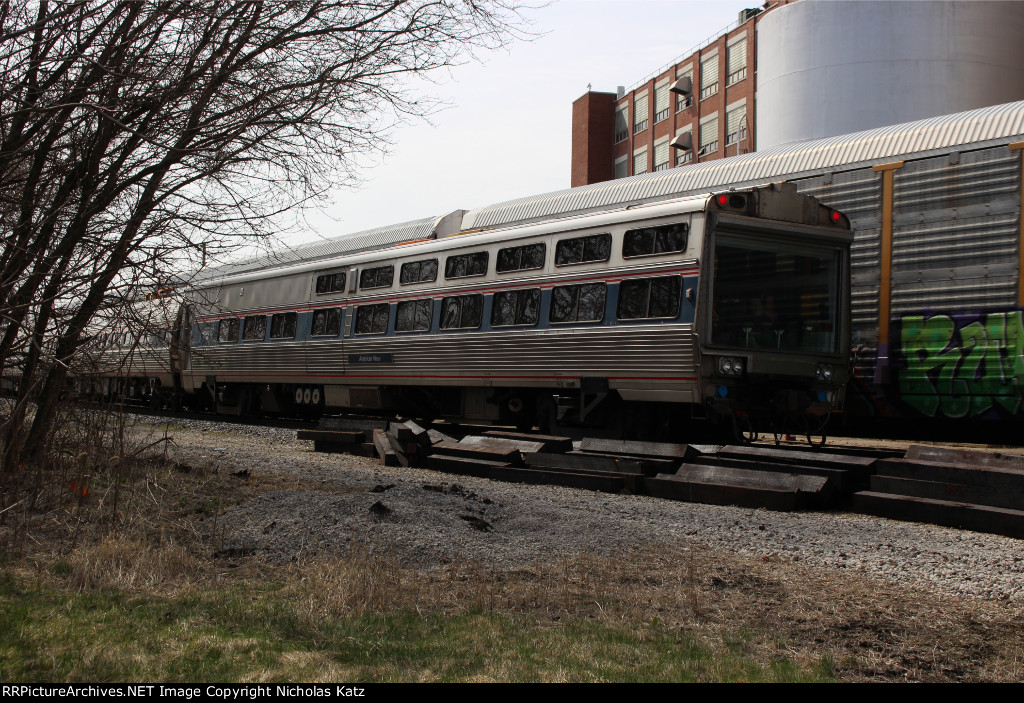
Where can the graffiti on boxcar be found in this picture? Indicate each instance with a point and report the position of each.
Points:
(961, 365)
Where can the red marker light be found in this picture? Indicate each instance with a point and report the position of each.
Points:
(723, 200)
(836, 217)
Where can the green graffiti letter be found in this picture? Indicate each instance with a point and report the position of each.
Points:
(923, 345)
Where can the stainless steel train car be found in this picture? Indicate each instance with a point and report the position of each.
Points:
(732, 306)
(132, 352)
(937, 285)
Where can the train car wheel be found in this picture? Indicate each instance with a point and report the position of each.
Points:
(743, 430)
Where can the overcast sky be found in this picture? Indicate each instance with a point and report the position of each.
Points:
(507, 132)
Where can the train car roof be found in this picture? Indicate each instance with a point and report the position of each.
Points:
(424, 247)
(973, 129)
(333, 247)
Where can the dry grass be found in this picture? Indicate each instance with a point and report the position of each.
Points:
(763, 609)
(149, 528)
(119, 562)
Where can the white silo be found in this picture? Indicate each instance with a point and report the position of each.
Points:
(834, 67)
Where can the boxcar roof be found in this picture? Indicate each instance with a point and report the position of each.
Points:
(922, 138)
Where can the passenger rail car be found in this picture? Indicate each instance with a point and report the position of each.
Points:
(131, 354)
(731, 306)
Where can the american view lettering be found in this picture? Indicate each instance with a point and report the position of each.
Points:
(962, 366)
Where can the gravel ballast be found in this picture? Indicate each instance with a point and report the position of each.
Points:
(427, 519)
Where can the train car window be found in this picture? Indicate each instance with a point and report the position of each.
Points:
(418, 272)
(372, 319)
(516, 307)
(283, 324)
(649, 298)
(462, 311)
(466, 265)
(414, 315)
(378, 277)
(326, 322)
(330, 283)
(649, 241)
(582, 250)
(254, 327)
(583, 303)
(528, 256)
(207, 335)
(228, 331)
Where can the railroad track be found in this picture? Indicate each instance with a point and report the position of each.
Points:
(977, 490)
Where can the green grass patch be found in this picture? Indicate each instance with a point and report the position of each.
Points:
(259, 632)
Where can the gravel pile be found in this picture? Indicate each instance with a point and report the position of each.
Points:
(428, 519)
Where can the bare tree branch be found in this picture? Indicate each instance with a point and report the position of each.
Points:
(136, 133)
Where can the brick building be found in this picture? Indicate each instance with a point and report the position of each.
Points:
(814, 69)
(702, 103)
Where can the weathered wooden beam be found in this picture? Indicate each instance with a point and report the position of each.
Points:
(505, 454)
(641, 449)
(986, 476)
(384, 449)
(980, 518)
(965, 457)
(333, 436)
(485, 442)
(679, 488)
(721, 475)
(956, 492)
(585, 462)
(365, 424)
(550, 443)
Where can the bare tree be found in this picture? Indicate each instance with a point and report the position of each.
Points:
(135, 133)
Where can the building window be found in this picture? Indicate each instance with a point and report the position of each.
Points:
(661, 154)
(684, 136)
(736, 62)
(640, 162)
(622, 167)
(661, 103)
(709, 77)
(621, 122)
(684, 101)
(735, 125)
(708, 137)
(640, 115)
